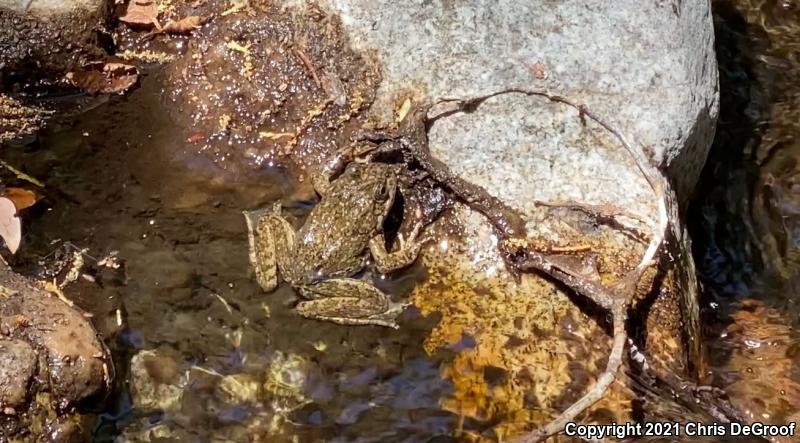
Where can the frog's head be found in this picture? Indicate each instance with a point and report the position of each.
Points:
(378, 180)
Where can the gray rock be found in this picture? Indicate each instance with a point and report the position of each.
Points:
(647, 67)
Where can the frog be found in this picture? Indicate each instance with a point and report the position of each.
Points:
(337, 240)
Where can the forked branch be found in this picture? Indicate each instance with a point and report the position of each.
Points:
(615, 298)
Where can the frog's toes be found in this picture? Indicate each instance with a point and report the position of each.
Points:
(252, 217)
(412, 236)
(397, 308)
(321, 310)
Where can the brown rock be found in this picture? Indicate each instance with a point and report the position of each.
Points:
(17, 367)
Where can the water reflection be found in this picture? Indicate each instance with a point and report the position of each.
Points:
(744, 219)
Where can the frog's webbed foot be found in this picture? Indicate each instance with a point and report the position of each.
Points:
(348, 301)
(270, 237)
(385, 261)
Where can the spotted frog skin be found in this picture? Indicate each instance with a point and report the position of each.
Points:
(334, 243)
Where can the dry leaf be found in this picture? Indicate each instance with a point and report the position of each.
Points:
(401, 113)
(10, 226)
(237, 7)
(22, 198)
(184, 25)
(142, 13)
(235, 46)
(104, 78)
(275, 135)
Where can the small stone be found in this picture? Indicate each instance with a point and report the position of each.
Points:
(191, 198)
(160, 269)
(17, 368)
(156, 384)
(238, 389)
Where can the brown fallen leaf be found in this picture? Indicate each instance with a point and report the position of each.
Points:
(22, 198)
(184, 25)
(275, 135)
(141, 13)
(10, 225)
(102, 77)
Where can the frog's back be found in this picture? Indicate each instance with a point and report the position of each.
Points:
(334, 239)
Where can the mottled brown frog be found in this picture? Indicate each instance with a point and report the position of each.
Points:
(339, 236)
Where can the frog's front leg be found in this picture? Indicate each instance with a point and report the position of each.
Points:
(321, 181)
(271, 240)
(348, 301)
(385, 261)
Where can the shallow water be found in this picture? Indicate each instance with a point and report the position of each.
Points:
(188, 291)
(744, 218)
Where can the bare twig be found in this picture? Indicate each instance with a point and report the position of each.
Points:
(21, 175)
(616, 298)
(596, 393)
(606, 214)
(412, 139)
(309, 66)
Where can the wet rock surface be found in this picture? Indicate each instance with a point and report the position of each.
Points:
(40, 40)
(52, 361)
(258, 87)
(19, 119)
(18, 363)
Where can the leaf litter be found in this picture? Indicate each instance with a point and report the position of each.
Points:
(104, 77)
(141, 13)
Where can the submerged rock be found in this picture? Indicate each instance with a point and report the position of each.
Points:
(156, 382)
(52, 360)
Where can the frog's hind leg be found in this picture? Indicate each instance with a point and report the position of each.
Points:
(349, 301)
(269, 236)
(386, 262)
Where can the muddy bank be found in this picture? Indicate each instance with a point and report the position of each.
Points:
(41, 40)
